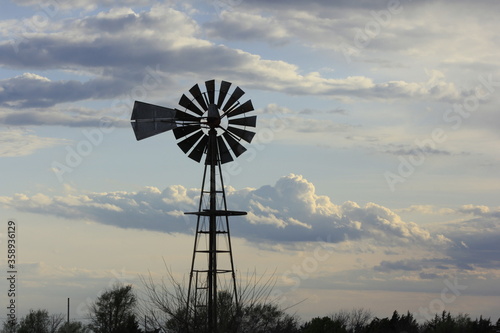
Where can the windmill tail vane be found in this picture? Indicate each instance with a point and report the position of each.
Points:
(213, 124)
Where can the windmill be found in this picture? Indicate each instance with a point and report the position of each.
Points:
(209, 126)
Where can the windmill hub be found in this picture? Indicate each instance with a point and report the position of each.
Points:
(213, 116)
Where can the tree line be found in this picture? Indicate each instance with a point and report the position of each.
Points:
(117, 311)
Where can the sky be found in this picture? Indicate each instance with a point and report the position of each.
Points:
(372, 181)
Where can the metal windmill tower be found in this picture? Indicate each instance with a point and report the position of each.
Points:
(211, 127)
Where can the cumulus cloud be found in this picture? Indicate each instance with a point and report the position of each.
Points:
(292, 214)
(289, 211)
(479, 210)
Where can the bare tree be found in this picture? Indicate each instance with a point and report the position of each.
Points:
(353, 320)
(359, 318)
(55, 321)
(165, 307)
(342, 317)
(164, 304)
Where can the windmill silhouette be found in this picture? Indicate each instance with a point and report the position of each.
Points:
(212, 128)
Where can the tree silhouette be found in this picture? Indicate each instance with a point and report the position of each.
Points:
(116, 308)
(404, 323)
(114, 311)
(40, 321)
(9, 326)
(460, 323)
(73, 327)
(324, 325)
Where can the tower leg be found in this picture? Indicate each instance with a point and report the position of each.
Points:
(212, 253)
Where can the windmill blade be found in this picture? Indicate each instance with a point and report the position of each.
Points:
(198, 151)
(182, 131)
(148, 120)
(236, 147)
(188, 104)
(190, 141)
(184, 116)
(245, 121)
(224, 154)
(210, 85)
(241, 133)
(224, 88)
(237, 93)
(198, 96)
(242, 108)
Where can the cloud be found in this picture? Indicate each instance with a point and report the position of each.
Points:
(479, 210)
(113, 48)
(427, 268)
(426, 210)
(88, 4)
(306, 125)
(476, 237)
(20, 142)
(63, 115)
(31, 90)
(413, 150)
(289, 211)
(418, 30)
(404, 265)
(332, 111)
(237, 25)
(474, 245)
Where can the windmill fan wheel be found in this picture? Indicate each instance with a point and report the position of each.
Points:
(211, 110)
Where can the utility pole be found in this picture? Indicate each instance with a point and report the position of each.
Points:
(67, 321)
